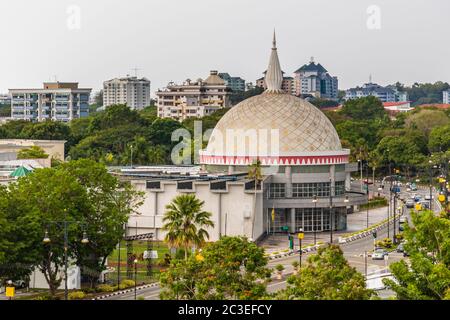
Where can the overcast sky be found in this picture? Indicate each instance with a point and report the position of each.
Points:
(172, 40)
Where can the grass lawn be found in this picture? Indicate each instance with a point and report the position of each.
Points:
(139, 247)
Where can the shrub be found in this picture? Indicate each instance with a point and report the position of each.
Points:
(106, 288)
(295, 264)
(43, 297)
(279, 267)
(140, 298)
(76, 295)
(127, 283)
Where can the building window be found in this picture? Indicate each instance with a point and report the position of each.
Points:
(309, 190)
(277, 190)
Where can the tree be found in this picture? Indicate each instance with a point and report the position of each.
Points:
(327, 276)
(33, 152)
(184, 221)
(31, 204)
(111, 203)
(367, 108)
(439, 138)
(254, 173)
(80, 191)
(231, 268)
(425, 120)
(48, 130)
(427, 275)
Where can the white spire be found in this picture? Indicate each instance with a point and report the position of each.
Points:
(274, 76)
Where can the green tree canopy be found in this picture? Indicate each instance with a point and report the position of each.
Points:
(427, 274)
(327, 276)
(367, 108)
(33, 152)
(231, 268)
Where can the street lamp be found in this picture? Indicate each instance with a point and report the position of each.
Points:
(135, 278)
(131, 148)
(315, 212)
(300, 236)
(360, 164)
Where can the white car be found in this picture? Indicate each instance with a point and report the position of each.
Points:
(427, 197)
(379, 254)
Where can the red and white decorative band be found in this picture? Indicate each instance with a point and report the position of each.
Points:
(282, 160)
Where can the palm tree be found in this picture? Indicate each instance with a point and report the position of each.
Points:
(184, 221)
(254, 172)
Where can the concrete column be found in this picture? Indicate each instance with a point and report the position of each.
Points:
(347, 181)
(288, 175)
(230, 169)
(332, 179)
(219, 213)
(293, 220)
(155, 236)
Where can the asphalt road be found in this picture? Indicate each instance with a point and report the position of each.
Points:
(353, 252)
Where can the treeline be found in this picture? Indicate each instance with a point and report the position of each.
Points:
(406, 142)
(111, 137)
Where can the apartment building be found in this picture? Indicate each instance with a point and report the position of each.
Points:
(446, 96)
(385, 94)
(193, 99)
(57, 101)
(314, 80)
(237, 84)
(133, 92)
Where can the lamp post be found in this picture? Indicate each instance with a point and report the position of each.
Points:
(331, 215)
(315, 209)
(135, 278)
(64, 224)
(367, 192)
(360, 164)
(431, 185)
(131, 148)
(300, 236)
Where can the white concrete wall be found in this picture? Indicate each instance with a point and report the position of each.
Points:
(231, 210)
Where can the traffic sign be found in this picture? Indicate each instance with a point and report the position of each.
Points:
(10, 291)
(285, 228)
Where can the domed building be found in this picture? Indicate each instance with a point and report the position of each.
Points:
(305, 172)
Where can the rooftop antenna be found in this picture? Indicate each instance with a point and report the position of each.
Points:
(135, 69)
(370, 78)
(312, 59)
(56, 78)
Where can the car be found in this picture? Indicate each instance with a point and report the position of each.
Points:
(413, 187)
(400, 248)
(379, 254)
(402, 219)
(401, 228)
(410, 203)
(417, 198)
(405, 254)
(427, 197)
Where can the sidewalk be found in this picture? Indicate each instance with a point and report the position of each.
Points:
(355, 221)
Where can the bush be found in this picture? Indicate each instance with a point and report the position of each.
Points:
(76, 295)
(279, 267)
(106, 288)
(127, 283)
(140, 298)
(43, 297)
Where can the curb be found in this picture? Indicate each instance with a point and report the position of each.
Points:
(117, 293)
(346, 240)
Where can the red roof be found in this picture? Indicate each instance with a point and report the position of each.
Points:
(393, 104)
(436, 105)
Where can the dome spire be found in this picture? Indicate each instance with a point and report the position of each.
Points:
(274, 75)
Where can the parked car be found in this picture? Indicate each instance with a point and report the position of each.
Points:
(417, 198)
(410, 203)
(402, 219)
(425, 204)
(379, 254)
(413, 187)
(400, 248)
(427, 197)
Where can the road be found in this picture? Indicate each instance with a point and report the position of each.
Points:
(353, 252)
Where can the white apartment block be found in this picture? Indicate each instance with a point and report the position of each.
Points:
(446, 96)
(57, 101)
(133, 92)
(193, 99)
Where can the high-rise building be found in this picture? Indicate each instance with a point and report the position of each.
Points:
(193, 99)
(133, 92)
(237, 84)
(5, 99)
(314, 80)
(446, 96)
(58, 101)
(385, 94)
